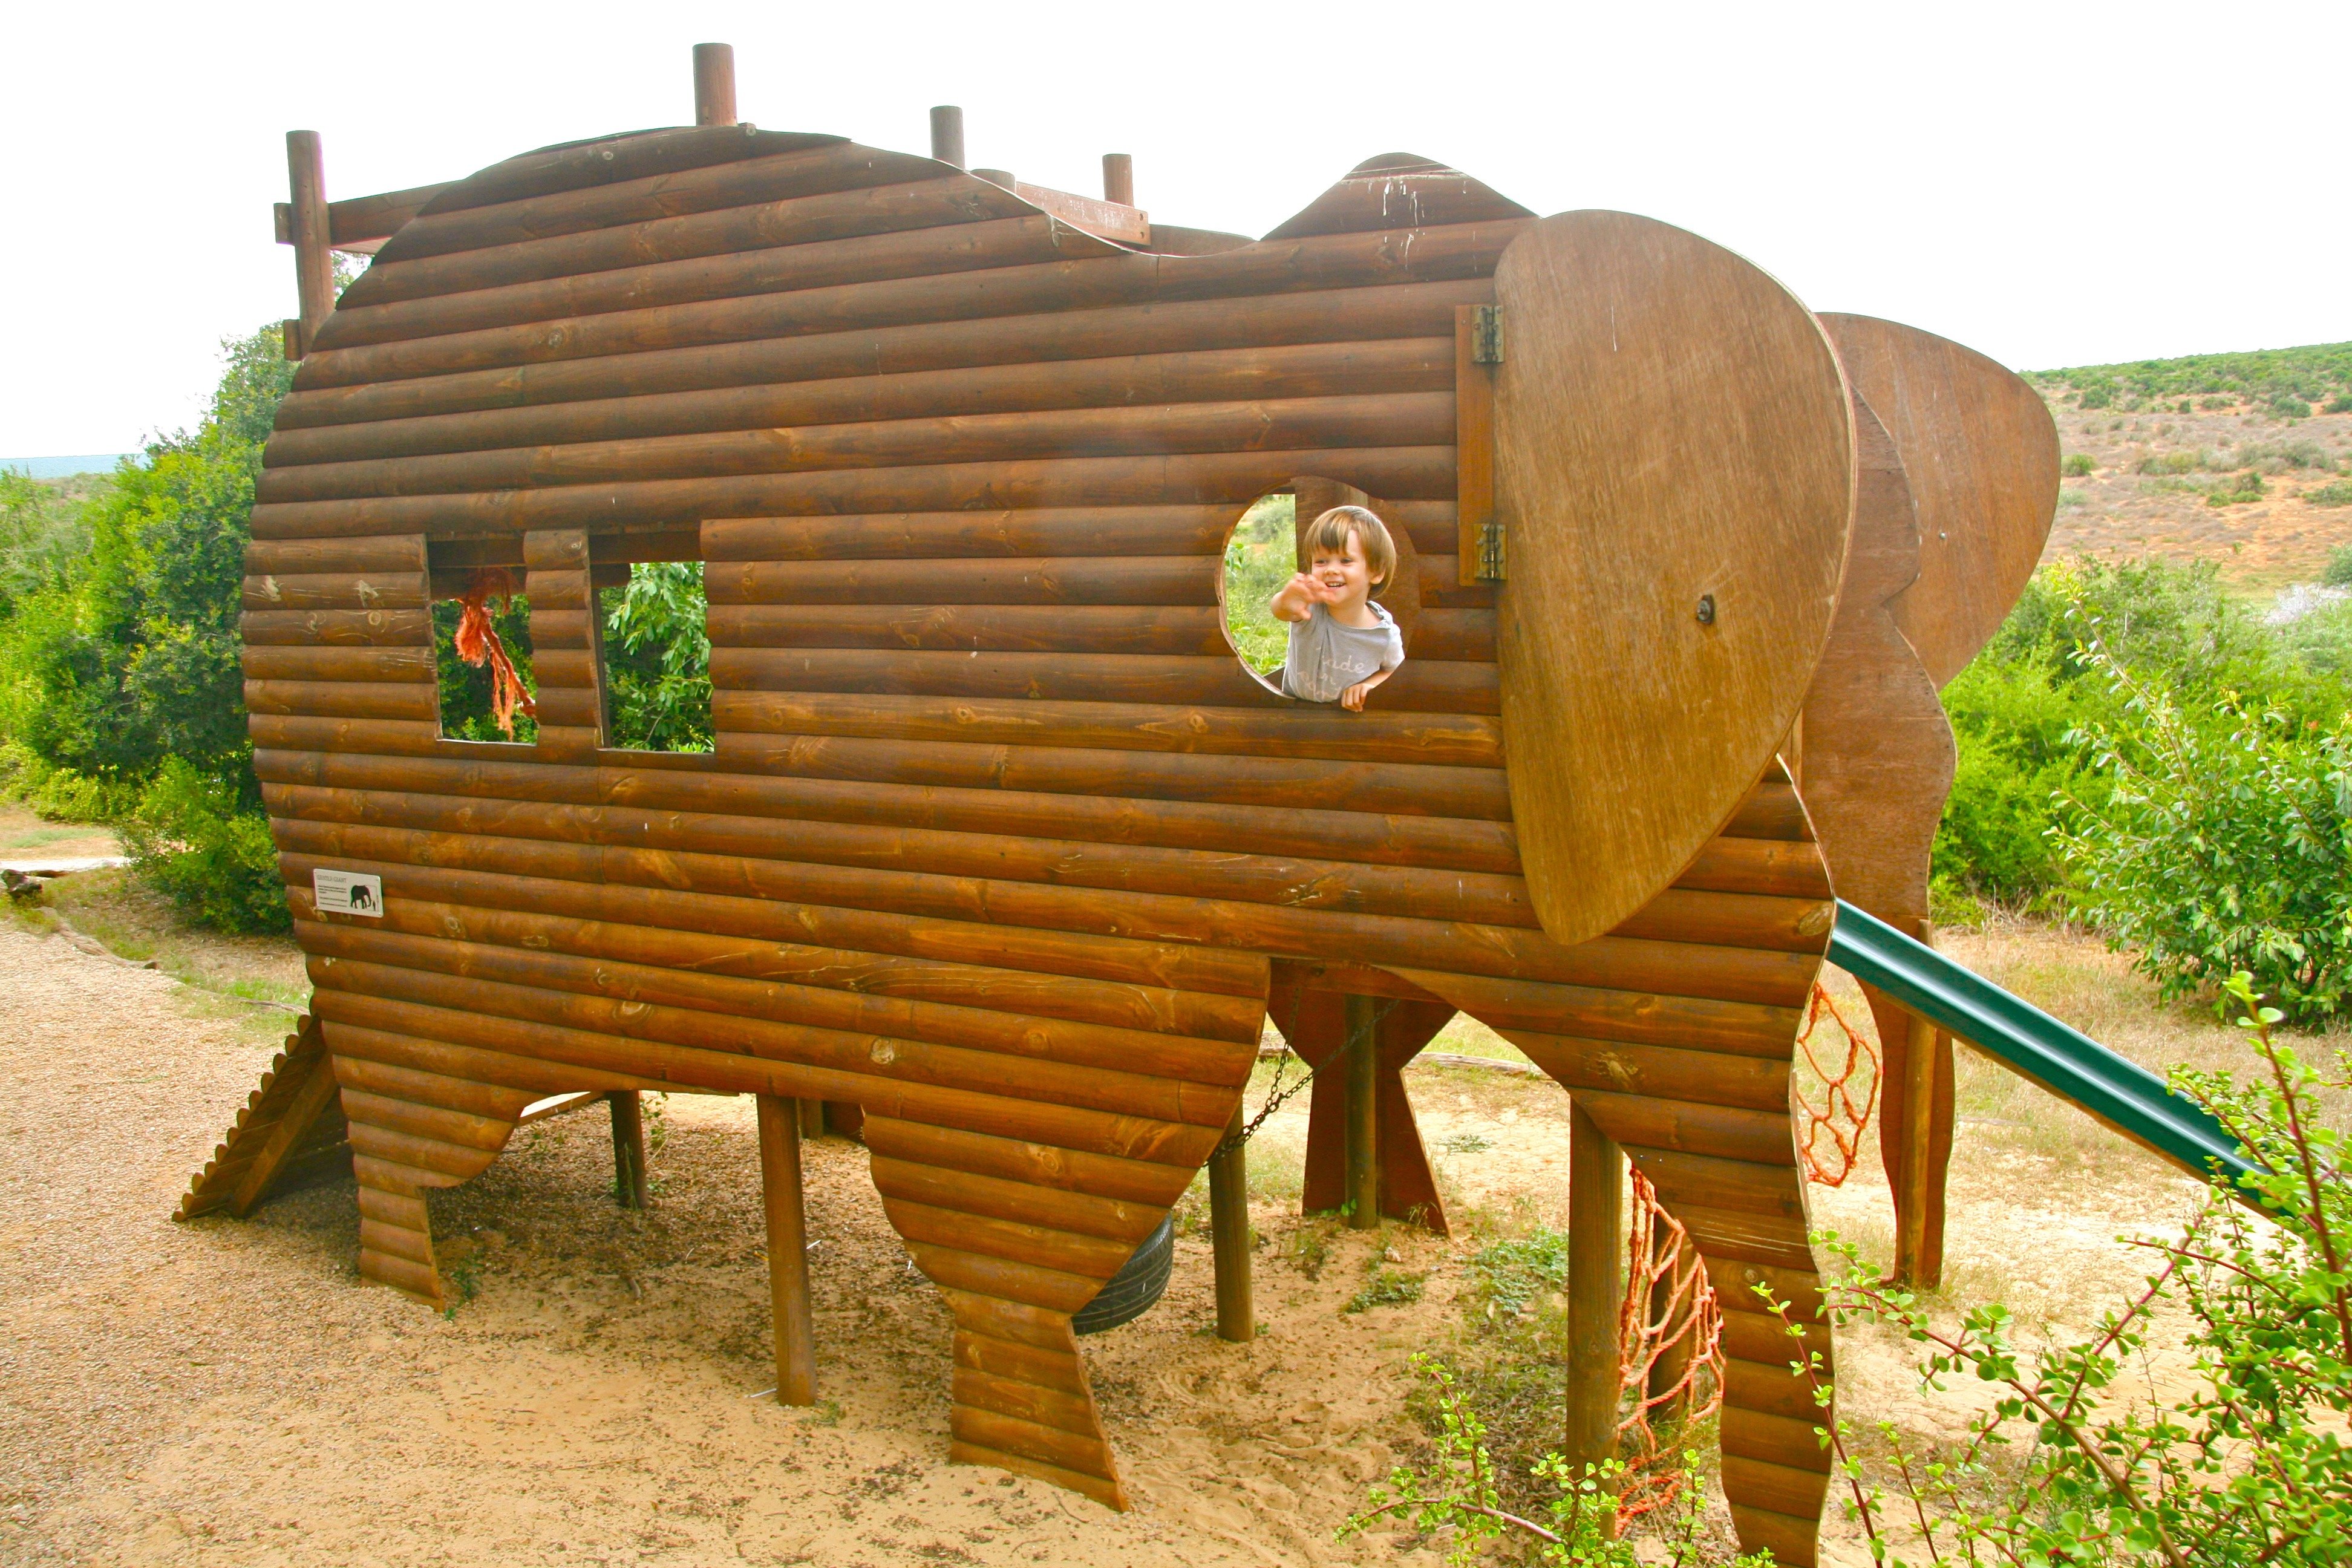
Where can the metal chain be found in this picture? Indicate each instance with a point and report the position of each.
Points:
(1280, 1092)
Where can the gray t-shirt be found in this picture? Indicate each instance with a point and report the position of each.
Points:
(1326, 658)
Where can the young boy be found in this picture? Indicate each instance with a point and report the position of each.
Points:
(1341, 644)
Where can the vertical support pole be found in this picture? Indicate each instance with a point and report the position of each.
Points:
(1363, 1114)
(788, 1281)
(314, 259)
(1596, 1256)
(628, 1148)
(812, 1115)
(1119, 178)
(1229, 1236)
(1913, 1266)
(714, 84)
(947, 134)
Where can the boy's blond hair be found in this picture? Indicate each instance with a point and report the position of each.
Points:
(1330, 533)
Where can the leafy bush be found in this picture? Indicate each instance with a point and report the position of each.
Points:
(466, 688)
(1259, 558)
(193, 841)
(2290, 408)
(657, 659)
(2340, 403)
(2278, 457)
(2241, 1462)
(119, 649)
(2223, 842)
(2263, 377)
(2337, 494)
(2339, 560)
(2077, 465)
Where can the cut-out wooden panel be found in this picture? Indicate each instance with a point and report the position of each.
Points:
(1981, 454)
(1673, 466)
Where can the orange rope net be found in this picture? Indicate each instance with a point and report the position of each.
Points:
(478, 644)
(1669, 1347)
(1839, 1113)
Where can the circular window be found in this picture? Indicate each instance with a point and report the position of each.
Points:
(1263, 553)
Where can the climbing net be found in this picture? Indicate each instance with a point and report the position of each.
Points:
(1842, 1112)
(1669, 1346)
(478, 644)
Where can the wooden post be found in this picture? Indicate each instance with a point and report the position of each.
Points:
(628, 1149)
(947, 134)
(714, 84)
(314, 262)
(1364, 1113)
(788, 1281)
(1918, 1185)
(1229, 1236)
(812, 1115)
(996, 176)
(1596, 1256)
(1119, 178)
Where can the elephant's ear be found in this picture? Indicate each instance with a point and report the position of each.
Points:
(1981, 454)
(1673, 472)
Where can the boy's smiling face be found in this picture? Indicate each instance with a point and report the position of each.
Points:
(1343, 571)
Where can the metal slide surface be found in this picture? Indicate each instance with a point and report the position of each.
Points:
(2029, 1041)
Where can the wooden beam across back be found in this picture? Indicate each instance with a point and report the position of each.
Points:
(1111, 220)
(361, 223)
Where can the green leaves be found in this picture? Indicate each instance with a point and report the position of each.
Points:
(657, 659)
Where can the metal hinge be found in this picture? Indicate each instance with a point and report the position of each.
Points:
(1490, 551)
(1487, 335)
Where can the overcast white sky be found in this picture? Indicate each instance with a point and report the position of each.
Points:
(2054, 183)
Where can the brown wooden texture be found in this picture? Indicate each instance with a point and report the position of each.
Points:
(1981, 453)
(290, 1127)
(1674, 464)
(998, 848)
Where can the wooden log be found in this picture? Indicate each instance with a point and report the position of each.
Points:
(954, 1270)
(902, 1060)
(1017, 1201)
(947, 134)
(1027, 1401)
(1229, 1233)
(1215, 475)
(1153, 1186)
(462, 1128)
(645, 180)
(1098, 629)
(714, 104)
(1392, 789)
(394, 553)
(1077, 955)
(1596, 1200)
(1792, 1541)
(1176, 530)
(1725, 1132)
(1342, 315)
(1757, 1188)
(1719, 974)
(1040, 1367)
(1119, 178)
(314, 264)
(661, 1064)
(1045, 287)
(1173, 580)
(1299, 423)
(1363, 1117)
(336, 591)
(1254, 374)
(340, 629)
(788, 1281)
(1213, 679)
(416, 700)
(1308, 732)
(628, 1149)
(329, 663)
(1918, 1185)
(1708, 1078)
(312, 1098)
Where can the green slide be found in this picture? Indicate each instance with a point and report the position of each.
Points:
(2029, 1041)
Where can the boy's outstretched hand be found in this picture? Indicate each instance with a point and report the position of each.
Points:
(1303, 590)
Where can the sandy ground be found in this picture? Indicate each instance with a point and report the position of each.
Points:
(230, 1392)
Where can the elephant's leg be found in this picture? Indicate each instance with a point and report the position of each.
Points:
(1021, 1236)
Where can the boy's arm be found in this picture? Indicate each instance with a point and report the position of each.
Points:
(1295, 600)
(1353, 697)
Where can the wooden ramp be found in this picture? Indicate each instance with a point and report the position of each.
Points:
(291, 1128)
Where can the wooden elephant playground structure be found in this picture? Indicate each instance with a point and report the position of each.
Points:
(1001, 855)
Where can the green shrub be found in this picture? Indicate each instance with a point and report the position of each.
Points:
(2074, 1456)
(2278, 457)
(192, 840)
(2339, 493)
(2339, 560)
(2246, 486)
(1259, 558)
(2290, 408)
(657, 658)
(2069, 500)
(2222, 841)
(2340, 403)
(2077, 465)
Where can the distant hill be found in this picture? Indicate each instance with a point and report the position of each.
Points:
(2237, 458)
(65, 468)
(2287, 383)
